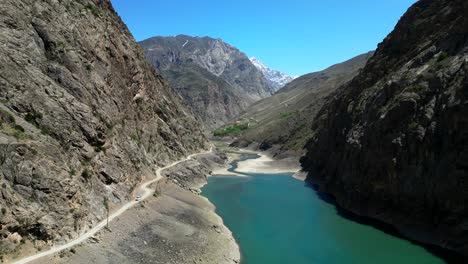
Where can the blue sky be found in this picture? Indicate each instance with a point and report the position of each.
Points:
(294, 36)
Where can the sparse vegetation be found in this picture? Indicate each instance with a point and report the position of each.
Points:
(285, 115)
(95, 10)
(234, 129)
(32, 118)
(6, 117)
(86, 174)
(9, 127)
(99, 148)
(135, 138)
(45, 131)
(442, 56)
(16, 131)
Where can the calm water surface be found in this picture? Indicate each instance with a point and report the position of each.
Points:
(276, 219)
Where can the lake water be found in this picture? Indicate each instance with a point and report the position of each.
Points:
(276, 219)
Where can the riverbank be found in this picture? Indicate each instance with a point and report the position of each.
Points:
(174, 226)
(265, 163)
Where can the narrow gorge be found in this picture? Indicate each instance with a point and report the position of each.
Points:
(155, 132)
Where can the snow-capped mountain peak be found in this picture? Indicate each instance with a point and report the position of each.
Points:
(276, 78)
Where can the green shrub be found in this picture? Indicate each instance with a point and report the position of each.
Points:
(86, 174)
(19, 128)
(413, 125)
(45, 131)
(135, 138)
(442, 56)
(32, 118)
(14, 130)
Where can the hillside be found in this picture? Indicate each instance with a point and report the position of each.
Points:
(282, 122)
(393, 144)
(215, 79)
(84, 118)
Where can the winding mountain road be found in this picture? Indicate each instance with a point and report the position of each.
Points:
(146, 192)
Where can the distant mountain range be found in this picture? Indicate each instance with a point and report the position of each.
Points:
(277, 79)
(215, 79)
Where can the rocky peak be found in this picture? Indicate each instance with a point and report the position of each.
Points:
(276, 78)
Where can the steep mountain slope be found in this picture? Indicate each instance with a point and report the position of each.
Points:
(283, 120)
(276, 78)
(393, 144)
(83, 116)
(221, 81)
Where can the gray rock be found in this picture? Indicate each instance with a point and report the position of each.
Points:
(215, 79)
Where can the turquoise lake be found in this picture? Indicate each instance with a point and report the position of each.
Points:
(277, 219)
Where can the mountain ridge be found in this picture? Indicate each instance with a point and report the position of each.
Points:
(234, 85)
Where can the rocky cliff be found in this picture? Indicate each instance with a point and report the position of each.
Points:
(215, 79)
(83, 117)
(393, 144)
(281, 123)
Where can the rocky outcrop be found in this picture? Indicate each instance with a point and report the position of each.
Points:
(215, 79)
(281, 123)
(83, 116)
(392, 144)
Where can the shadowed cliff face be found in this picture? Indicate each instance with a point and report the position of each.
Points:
(215, 79)
(393, 144)
(83, 116)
